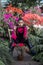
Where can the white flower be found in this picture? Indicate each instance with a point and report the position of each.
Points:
(38, 26)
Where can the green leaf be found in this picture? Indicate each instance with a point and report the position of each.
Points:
(1, 63)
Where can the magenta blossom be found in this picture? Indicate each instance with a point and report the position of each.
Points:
(15, 18)
(7, 16)
(5, 20)
(11, 25)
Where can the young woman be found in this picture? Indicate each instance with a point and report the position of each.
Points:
(21, 35)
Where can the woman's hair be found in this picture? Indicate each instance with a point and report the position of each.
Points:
(20, 19)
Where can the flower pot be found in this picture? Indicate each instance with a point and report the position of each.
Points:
(20, 57)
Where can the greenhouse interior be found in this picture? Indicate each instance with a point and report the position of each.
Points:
(21, 32)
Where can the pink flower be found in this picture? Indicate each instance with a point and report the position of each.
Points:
(14, 44)
(16, 18)
(21, 45)
(7, 16)
(11, 25)
(13, 36)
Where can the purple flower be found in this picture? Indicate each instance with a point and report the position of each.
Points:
(5, 20)
(42, 14)
(17, 19)
(11, 25)
(7, 16)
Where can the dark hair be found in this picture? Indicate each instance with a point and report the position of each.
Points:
(20, 19)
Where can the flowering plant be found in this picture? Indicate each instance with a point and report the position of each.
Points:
(30, 16)
(19, 48)
(9, 19)
(13, 9)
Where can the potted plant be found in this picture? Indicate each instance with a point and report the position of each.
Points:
(20, 53)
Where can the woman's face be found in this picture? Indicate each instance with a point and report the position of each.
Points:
(21, 23)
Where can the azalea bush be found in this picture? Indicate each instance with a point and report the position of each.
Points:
(10, 20)
(7, 21)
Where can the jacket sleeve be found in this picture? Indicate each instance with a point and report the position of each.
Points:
(13, 36)
(25, 32)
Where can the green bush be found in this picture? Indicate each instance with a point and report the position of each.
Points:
(5, 56)
(38, 57)
(38, 48)
(37, 42)
(1, 63)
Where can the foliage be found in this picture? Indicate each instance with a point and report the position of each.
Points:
(29, 3)
(38, 48)
(35, 36)
(1, 63)
(39, 57)
(5, 56)
(1, 30)
(37, 43)
(39, 32)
